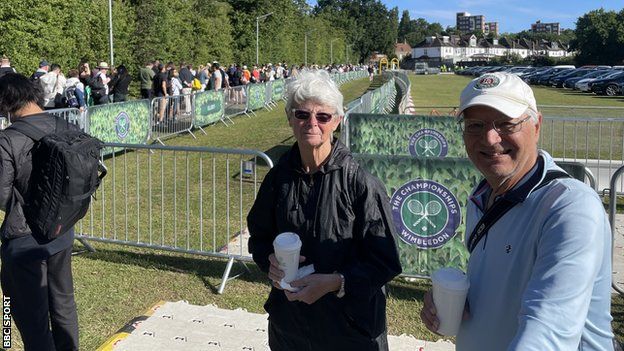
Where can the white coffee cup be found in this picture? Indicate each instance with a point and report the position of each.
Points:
(287, 247)
(450, 287)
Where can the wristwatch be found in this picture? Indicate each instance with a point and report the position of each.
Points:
(341, 292)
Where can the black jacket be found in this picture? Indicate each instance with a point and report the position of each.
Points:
(15, 169)
(342, 214)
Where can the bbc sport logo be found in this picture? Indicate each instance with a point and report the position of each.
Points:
(425, 213)
(428, 143)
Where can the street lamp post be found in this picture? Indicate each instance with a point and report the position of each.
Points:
(347, 51)
(110, 32)
(331, 51)
(257, 30)
(305, 47)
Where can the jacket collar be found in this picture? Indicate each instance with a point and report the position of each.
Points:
(338, 158)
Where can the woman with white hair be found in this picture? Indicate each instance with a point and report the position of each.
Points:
(342, 216)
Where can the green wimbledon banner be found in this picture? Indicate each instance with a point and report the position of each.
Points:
(255, 96)
(124, 122)
(428, 199)
(278, 89)
(209, 107)
(420, 136)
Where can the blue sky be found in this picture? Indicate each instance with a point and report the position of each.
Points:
(512, 15)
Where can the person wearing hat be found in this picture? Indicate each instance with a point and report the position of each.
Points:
(99, 84)
(44, 67)
(540, 274)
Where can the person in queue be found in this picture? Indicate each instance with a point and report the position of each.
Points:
(36, 274)
(540, 275)
(342, 215)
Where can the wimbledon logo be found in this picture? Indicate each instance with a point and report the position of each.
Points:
(122, 125)
(425, 213)
(428, 143)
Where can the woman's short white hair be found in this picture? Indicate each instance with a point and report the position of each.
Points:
(314, 85)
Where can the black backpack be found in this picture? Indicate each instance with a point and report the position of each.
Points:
(69, 97)
(66, 172)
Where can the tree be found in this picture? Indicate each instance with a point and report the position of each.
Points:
(600, 37)
(404, 25)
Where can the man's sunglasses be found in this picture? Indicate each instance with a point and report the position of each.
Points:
(321, 117)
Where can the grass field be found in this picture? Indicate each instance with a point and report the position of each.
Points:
(117, 283)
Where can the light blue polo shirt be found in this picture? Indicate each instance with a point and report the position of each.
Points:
(541, 279)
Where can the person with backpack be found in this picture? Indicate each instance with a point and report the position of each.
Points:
(99, 84)
(53, 84)
(44, 67)
(74, 93)
(36, 269)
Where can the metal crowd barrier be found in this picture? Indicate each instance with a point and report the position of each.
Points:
(236, 102)
(268, 95)
(184, 199)
(612, 212)
(170, 117)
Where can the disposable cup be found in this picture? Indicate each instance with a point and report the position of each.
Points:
(287, 247)
(450, 287)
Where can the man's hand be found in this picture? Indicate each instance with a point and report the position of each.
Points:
(313, 287)
(429, 316)
(275, 272)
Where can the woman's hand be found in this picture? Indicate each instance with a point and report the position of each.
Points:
(313, 287)
(275, 272)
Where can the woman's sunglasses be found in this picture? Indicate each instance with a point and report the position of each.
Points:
(321, 117)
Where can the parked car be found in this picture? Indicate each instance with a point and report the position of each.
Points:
(607, 86)
(583, 84)
(571, 81)
(544, 78)
(518, 70)
(557, 81)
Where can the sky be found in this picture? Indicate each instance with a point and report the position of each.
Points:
(512, 16)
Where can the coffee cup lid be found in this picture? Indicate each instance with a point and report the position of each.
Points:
(451, 278)
(287, 241)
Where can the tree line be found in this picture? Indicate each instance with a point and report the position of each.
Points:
(195, 31)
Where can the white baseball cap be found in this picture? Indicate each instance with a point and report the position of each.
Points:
(504, 92)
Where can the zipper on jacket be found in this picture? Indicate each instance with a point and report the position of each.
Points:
(318, 200)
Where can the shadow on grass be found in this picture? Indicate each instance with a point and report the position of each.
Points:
(400, 289)
(202, 267)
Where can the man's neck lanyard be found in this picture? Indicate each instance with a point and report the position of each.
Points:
(502, 206)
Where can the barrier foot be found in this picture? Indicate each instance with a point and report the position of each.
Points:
(226, 275)
(203, 131)
(253, 113)
(617, 288)
(247, 114)
(87, 247)
(193, 135)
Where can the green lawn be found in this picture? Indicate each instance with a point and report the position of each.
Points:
(117, 283)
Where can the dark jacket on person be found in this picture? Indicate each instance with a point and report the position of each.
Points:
(15, 169)
(119, 84)
(186, 77)
(342, 215)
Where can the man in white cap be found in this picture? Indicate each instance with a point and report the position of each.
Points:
(540, 241)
